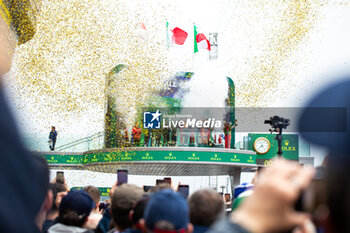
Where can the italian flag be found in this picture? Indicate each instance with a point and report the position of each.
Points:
(200, 41)
(178, 36)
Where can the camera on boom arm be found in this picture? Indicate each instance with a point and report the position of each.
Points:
(277, 125)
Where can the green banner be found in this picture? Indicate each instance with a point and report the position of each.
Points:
(104, 191)
(63, 158)
(150, 155)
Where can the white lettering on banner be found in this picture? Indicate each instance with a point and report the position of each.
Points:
(192, 123)
(181, 124)
(218, 124)
(199, 124)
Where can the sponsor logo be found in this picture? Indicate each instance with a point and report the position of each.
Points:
(154, 120)
(151, 120)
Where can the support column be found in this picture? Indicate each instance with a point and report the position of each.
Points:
(235, 177)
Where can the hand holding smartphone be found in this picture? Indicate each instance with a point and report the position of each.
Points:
(60, 177)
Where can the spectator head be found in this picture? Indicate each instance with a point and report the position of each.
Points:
(75, 208)
(56, 188)
(167, 211)
(94, 194)
(136, 214)
(206, 206)
(123, 200)
(53, 128)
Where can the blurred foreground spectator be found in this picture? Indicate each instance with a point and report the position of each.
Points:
(167, 211)
(136, 215)
(73, 212)
(124, 199)
(206, 206)
(23, 185)
(58, 192)
(331, 130)
(95, 215)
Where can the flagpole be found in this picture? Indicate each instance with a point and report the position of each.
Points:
(167, 34)
(194, 47)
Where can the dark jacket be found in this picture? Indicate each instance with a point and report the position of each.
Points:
(47, 224)
(131, 230)
(53, 135)
(200, 229)
(102, 226)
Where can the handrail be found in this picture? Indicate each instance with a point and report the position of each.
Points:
(80, 141)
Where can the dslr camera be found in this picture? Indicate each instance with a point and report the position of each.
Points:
(277, 122)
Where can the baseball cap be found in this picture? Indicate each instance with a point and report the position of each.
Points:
(166, 205)
(126, 195)
(78, 201)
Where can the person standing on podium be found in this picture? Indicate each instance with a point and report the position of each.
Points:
(52, 138)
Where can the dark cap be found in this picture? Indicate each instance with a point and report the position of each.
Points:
(166, 205)
(78, 201)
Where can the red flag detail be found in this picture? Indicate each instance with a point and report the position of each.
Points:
(143, 26)
(179, 36)
(203, 42)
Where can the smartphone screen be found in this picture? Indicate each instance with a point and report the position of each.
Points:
(184, 190)
(167, 180)
(158, 181)
(122, 176)
(60, 175)
(147, 187)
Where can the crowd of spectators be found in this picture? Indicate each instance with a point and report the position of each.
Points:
(129, 209)
(269, 207)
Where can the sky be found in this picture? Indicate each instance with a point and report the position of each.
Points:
(279, 53)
